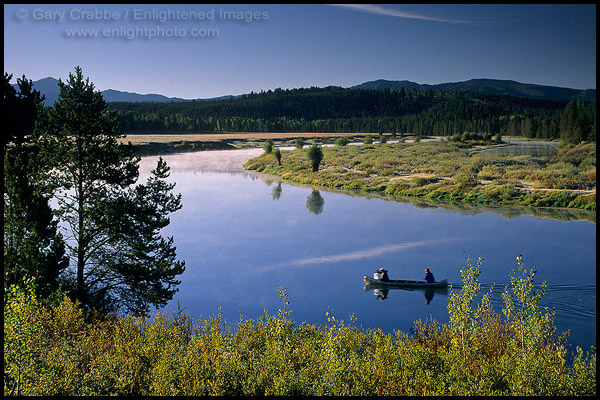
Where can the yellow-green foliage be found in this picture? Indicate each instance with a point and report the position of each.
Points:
(448, 171)
(57, 350)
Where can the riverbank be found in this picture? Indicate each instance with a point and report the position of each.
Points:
(447, 171)
(58, 350)
(160, 144)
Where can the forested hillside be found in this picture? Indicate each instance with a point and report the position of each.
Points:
(494, 86)
(335, 109)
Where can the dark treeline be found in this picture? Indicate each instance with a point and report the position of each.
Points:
(335, 109)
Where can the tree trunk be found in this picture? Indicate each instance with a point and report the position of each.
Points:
(81, 237)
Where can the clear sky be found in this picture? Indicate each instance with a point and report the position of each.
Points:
(202, 51)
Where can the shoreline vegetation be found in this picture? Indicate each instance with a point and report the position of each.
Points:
(267, 164)
(58, 349)
(449, 171)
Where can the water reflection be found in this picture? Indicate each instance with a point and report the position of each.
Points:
(276, 193)
(518, 148)
(382, 294)
(354, 255)
(507, 212)
(315, 202)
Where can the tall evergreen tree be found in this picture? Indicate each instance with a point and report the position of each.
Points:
(33, 248)
(568, 132)
(20, 110)
(119, 259)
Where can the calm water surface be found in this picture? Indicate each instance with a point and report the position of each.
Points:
(243, 236)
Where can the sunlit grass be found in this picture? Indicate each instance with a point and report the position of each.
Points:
(140, 139)
(448, 171)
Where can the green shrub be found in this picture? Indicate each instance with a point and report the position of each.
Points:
(422, 181)
(342, 141)
(501, 194)
(57, 350)
(277, 154)
(587, 202)
(315, 155)
(466, 181)
(268, 146)
(489, 172)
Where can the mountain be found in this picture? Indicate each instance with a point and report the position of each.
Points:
(111, 95)
(492, 86)
(49, 88)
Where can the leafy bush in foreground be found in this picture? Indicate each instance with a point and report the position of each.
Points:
(57, 350)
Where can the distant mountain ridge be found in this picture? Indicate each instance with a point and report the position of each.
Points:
(492, 86)
(49, 88)
(111, 95)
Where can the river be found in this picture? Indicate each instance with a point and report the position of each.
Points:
(245, 235)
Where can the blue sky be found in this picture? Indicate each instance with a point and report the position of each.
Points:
(213, 50)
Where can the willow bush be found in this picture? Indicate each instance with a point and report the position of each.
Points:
(58, 350)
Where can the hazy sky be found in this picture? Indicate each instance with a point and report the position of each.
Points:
(201, 51)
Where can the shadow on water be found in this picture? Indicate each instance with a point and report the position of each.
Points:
(276, 192)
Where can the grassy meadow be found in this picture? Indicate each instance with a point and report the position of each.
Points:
(447, 171)
(157, 143)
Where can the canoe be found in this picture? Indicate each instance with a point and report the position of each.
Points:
(405, 283)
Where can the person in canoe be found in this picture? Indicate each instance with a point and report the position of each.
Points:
(383, 275)
(429, 276)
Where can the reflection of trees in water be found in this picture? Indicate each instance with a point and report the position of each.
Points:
(315, 202)
(508, 212)
(276, 193)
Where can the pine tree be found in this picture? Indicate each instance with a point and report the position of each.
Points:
(568, 133)
(120, 260)
(33, 248)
